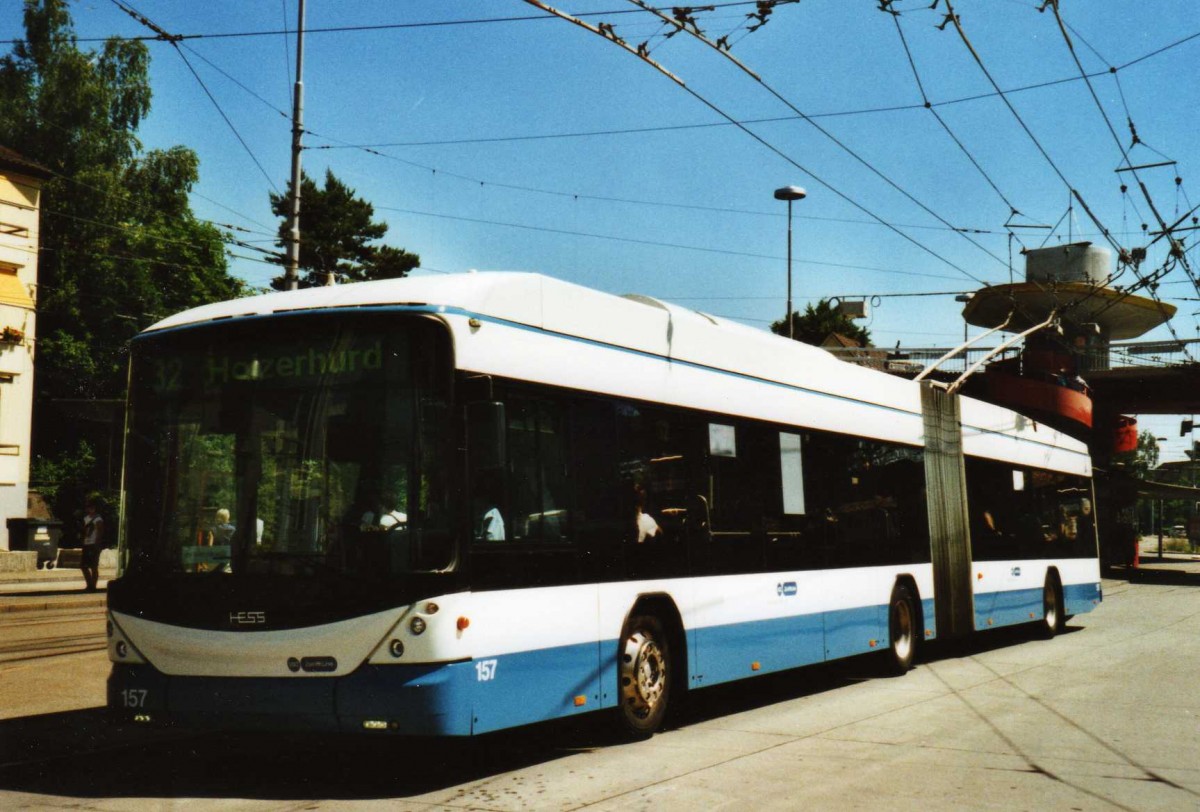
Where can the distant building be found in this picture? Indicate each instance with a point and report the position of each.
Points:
(848, 349)
(838, 340)
(20, 197)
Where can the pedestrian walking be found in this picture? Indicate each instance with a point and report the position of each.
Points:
(93, 542)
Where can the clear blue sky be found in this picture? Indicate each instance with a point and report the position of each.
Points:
(684, 212)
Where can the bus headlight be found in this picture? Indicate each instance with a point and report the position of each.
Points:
(417, 625)
(396, 648)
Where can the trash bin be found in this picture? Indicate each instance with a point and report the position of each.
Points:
(41, 535)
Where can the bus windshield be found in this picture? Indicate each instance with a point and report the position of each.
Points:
(293, 445)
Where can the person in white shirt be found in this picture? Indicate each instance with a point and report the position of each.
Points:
(383, 516)
(647, 528)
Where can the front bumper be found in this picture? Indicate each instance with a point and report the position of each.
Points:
(418, 700)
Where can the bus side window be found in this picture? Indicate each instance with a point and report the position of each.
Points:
(731, 479)
(538, 480)
(786, 505)
(656, 456)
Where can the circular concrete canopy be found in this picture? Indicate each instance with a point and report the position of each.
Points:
(1120, 315)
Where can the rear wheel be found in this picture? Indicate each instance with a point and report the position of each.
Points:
(1052, 609)
(645, 672)
(902, 629)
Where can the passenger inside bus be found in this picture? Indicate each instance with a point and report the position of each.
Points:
(222, 527)
(647, 528)
(383, 513)
(490, 526)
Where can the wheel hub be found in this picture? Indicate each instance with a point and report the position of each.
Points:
(1051, 600)
(902, 638)
(643, 673)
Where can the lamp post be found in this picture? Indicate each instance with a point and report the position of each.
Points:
(790, 193)
(1160, 516)
(964, 298)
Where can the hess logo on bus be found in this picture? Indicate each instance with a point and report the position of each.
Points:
(247, 618)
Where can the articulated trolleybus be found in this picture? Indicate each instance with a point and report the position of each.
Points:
(445, 506)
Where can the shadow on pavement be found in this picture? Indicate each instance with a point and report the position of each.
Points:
(81, 754)
(1165, 577)
(1166, 572)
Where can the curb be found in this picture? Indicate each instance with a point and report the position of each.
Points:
(72, 577)
(44, 604)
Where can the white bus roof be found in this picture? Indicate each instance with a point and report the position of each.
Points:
(631, 322)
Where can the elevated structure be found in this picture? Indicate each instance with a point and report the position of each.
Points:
(1068, 283)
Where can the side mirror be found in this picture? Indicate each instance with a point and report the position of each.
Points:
(485, 435)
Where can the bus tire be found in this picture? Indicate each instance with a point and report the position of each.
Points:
(644, 676)
(903, 621)
(1053, 616)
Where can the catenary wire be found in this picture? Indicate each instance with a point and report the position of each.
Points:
(655, 243)
(697, 34)
(703, 100)
(174, 41)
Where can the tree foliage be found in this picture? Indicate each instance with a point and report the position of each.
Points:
(816, 323)
(1145, 459)
(336, 232)
(120, 247)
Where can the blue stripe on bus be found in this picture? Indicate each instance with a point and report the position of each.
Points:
(533, 686)
(725, 653)
(1080, 598)
(1008, 608)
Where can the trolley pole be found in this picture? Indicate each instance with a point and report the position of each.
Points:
(291, 274)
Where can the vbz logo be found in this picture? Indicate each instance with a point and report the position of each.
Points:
(786, 589)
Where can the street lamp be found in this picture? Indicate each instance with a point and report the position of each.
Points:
(964, 298)
(790, 193)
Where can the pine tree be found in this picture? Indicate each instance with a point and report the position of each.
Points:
(336, 230)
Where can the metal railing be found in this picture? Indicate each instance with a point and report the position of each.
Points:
(1144, 354)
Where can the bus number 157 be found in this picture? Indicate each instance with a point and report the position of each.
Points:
(485, 670)
(134, 697)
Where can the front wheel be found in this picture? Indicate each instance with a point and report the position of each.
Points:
(1052, 610)
(645, 674)
(902, 629)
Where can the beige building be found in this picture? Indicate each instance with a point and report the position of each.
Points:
(20, 192)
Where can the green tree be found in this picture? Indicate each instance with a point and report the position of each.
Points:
(816, 323)
(1145, 458)
(336, 232)
(120, 247)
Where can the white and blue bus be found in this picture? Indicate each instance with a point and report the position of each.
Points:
(451, 505)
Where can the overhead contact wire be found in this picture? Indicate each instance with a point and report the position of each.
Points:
(621, 43)
(697, 34)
